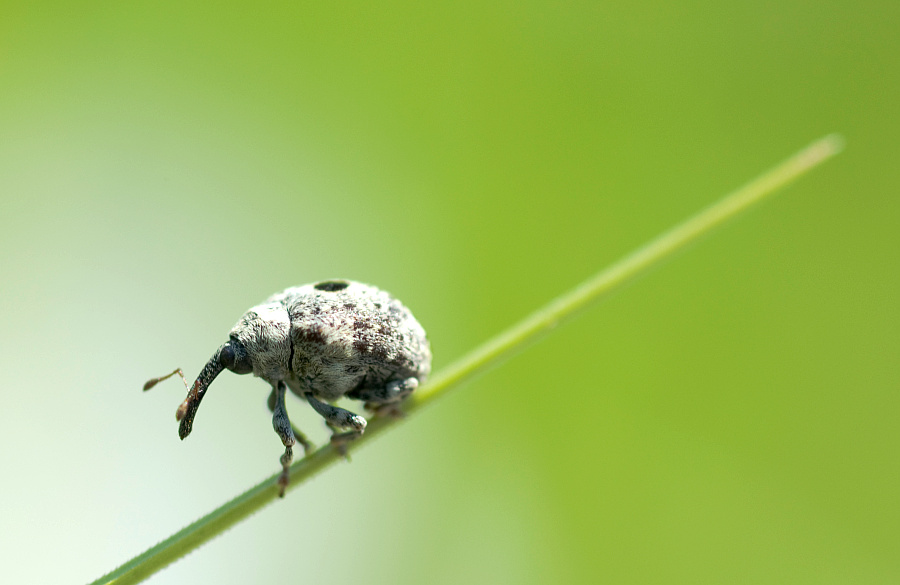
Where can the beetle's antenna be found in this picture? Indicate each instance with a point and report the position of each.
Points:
(187, 409)
(155, 381)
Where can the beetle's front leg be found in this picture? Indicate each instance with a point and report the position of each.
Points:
(339, 418)
(282, 425)
(308, 446)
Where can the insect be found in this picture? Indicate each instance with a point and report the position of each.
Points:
(321, 341)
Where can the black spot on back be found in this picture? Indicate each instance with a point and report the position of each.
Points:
(331, 285)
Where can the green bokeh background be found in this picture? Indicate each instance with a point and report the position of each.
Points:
(730, 418)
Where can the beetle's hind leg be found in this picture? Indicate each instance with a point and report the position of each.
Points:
(385, 401)
(308, 446)
(339, 418)
(282, 425)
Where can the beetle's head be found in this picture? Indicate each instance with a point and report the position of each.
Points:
(232, 356)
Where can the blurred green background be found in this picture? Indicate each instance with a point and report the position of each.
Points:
(730, 418)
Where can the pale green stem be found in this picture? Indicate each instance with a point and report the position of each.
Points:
(484, 357)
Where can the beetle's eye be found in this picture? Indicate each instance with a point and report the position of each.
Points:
(331, 285)
(233, 356)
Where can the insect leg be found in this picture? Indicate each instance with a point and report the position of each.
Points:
(385, 400)
(282, 425)
(339, 418)
(391, 392)
(308, 446)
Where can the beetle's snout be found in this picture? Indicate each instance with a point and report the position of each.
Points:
(188, 409)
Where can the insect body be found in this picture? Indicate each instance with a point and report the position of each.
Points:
(321, 341)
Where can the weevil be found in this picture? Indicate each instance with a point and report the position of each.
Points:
(321, 341)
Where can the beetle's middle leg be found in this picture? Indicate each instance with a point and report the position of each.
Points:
(339, 418)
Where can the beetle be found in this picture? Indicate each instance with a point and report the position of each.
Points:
(321, 341)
